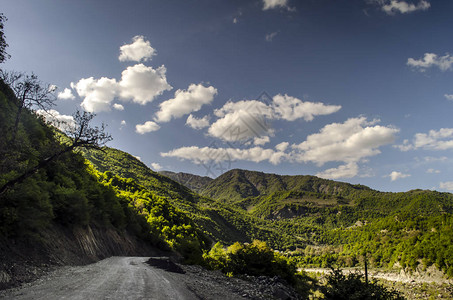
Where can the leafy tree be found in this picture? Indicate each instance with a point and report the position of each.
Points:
(352, 287)
(3, 45)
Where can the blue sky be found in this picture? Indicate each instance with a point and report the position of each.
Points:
(353, 90)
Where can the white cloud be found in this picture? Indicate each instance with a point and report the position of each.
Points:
(282, 146)
(441, 139)
(344, 171)
(97, 93)
(146, 127)
(197, 123)
(241, 121)
(397, 175)
(123, 123)
(156, 166)
(62, 122)
(247, 119)
(398, 6)
(435, 159)
(208, 154)
(235, 20)
(259, 141)
(449, 97)
(447, 185)
(271, 4)
(429, 60)
(185, 102)
(137, 51)
(432, 171)
(270, 36)
(347, 142)
(291, 108)
(66, 95)
(118, 106)
(142, 84)
(138, 157)
(139, 83)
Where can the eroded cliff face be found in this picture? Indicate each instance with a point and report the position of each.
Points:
(22, 261)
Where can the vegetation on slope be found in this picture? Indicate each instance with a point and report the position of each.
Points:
(193, 182)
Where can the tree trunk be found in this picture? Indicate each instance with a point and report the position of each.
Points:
(33, 170)
(16, 123)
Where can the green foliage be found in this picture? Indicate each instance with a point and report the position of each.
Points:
(255, 259)
(353, 287)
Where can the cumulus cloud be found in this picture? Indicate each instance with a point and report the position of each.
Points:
(259, 141)
(432, 171)
(138, 83)
(291, 108)
(441, 139)
(282, 146)
(344, 171)
(351, 141)
(209, 154)
(403, 7)
(123, 123)
(185, 102)
(270, 36)
(247, 119)
(137, 51)
(66, 95)
(156, 166)
(397, 175)
(444, 63)
(97, 93)
(449, 97)
(241, 121)
(62, 122)
(197, 123)
(118, 106)
(271, 4)
(142, 84)
(446, 185)
(148, 126)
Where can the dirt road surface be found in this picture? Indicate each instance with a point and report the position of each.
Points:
(111, 278)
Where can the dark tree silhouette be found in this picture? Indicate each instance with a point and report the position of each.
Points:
(81, 135)
(30, 93)
(3, 45)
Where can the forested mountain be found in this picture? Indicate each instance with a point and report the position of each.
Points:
(239, 184)
(193, 182)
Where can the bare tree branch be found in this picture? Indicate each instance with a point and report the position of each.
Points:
(30, 92)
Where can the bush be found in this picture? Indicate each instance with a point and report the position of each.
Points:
(353, 287)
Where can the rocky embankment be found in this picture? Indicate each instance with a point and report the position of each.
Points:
(23, 261)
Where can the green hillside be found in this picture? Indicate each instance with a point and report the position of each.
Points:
(239, 184)
(324, 221)
(219, 221)
(65, 191)
(194, 182)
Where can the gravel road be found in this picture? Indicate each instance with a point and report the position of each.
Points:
(111, 278)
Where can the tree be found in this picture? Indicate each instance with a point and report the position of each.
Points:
(81, 135)
(3, 45)
(352, 286)
(30, 93)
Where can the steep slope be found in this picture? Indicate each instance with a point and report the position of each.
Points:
(67, 212)
(219, 221)
(193, 182)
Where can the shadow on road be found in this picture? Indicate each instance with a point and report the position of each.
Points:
(166, 264)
